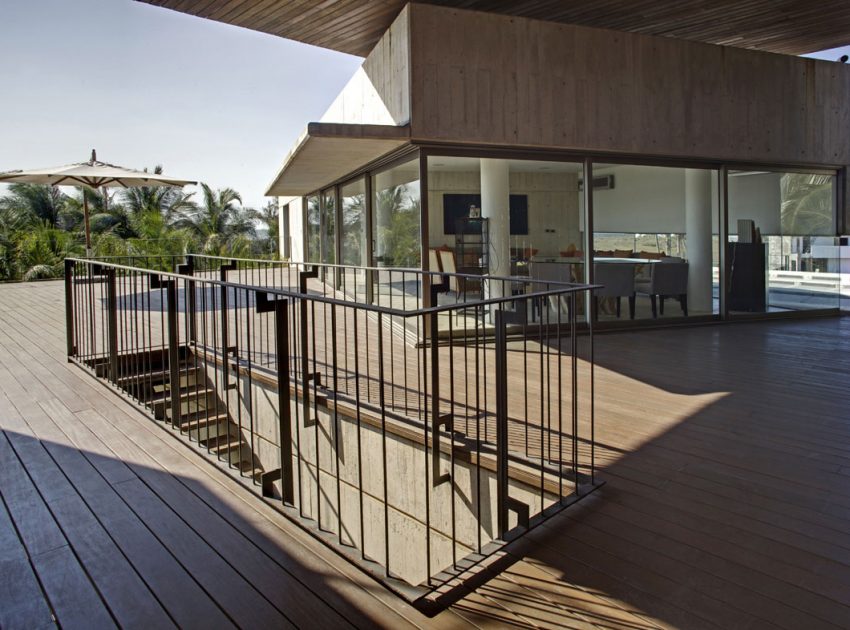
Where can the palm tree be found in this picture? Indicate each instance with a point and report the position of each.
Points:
(41, 251)
(164, 199)
(14, 222)
(43, 203)
(219, 222)
(268, 215)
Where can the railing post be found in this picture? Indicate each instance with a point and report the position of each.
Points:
(69, 308)
(112, 324)
(437, 420)
(266, 304)
(173, 349)
(222, 275)
(281, 320)
(303, 276)
(501, 350)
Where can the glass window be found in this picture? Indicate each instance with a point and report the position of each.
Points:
(353, 236)
(312, 235)
(531, 222)
(783, 255)
(328, 227)
(655, 241)
(353, 228)
(398, 212)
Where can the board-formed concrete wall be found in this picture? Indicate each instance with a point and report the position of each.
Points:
(486, 78)
(337, 436)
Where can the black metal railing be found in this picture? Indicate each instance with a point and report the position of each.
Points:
(415, 421)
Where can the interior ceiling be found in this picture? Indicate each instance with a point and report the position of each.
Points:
(354, 26)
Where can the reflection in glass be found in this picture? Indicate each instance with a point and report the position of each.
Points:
(312, 234)
(328, 227)
(396, 238)
(398, 208)
(783, 254)
(662, 225)
(353, 237)
(353, 228)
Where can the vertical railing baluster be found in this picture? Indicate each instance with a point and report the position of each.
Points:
(501, 423)
(173, 350)
(281, 320)
(112, 324)
(71, 343)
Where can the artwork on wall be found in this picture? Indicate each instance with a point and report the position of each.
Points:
(457, 206)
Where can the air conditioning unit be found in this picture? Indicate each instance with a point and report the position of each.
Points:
(600, 182)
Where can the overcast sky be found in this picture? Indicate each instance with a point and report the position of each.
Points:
(146, 86)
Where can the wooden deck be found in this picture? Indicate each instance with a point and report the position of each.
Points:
(726, 450)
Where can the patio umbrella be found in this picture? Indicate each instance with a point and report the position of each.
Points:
(92, 174)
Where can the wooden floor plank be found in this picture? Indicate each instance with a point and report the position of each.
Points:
(22, 602)
(126, 595)
(725, 447)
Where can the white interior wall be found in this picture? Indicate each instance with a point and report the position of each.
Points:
(296, 226)
(553, 204)
(757, 197)
(645, 199)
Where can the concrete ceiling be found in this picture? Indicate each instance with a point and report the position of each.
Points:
(354, 26)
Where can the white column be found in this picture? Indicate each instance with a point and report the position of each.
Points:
(495, 205)
(698, 238)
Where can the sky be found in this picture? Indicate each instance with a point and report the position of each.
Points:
(145, 86)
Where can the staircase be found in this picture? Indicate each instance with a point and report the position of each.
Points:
(203, 417)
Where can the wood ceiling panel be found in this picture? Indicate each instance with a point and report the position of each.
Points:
(354, 26)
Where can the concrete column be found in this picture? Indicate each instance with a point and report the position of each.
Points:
(698, 238)
(495, 205)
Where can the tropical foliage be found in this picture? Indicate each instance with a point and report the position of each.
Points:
(806, 204)
(42, 225)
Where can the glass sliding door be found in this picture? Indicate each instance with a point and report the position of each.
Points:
(328, 226)
(396, 236)
(531, 223)
(352, 232)
(312, 230)
(782, 252)
(655, 242)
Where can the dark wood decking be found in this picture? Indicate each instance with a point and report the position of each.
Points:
(726, 450)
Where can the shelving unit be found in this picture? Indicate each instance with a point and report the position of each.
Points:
(472, 245)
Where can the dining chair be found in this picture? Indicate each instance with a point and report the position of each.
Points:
(666, 279)
(544, 273)
(618, 281)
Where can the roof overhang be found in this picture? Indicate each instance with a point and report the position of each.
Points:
(354, 26)
(327, 152)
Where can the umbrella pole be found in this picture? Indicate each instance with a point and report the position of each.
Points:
(86, 223)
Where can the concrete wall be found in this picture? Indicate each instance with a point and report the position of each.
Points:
(485, 78)
(379, 92)
(337, 438)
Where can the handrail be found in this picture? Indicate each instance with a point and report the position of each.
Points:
(564, 288)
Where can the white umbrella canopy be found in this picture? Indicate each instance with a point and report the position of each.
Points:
(92, 174)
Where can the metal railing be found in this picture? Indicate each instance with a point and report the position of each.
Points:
(414, 435)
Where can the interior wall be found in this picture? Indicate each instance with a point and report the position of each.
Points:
(644, 199)
(757, 197)
(296, 227)
(553, 204)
